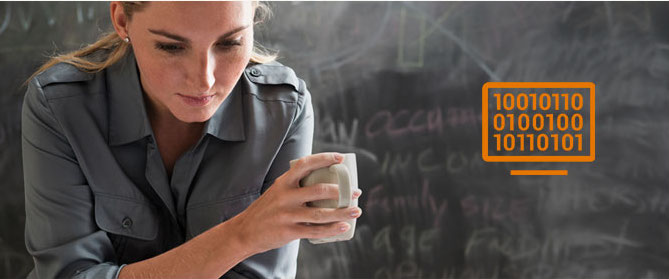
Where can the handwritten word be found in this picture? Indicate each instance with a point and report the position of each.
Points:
(426, 202)
(426, 161)
(496, 209)
(412, 242)
(336, 132)
(580, 197)
(583, 270)
(454, 162)
(411, 269)
(484, 209)
(557, 246)
(404, 122)
(421, 121)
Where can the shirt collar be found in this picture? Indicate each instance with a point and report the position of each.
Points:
(128, 120)
(227, 123)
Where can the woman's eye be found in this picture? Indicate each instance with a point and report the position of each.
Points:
(171, 48)
(230, 43)
(174, 48)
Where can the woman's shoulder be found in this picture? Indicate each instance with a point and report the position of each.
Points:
(61, 80)
(62, 72)
(275, 81)
(67, 73)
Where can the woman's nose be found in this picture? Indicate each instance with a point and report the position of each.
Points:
(201, 75)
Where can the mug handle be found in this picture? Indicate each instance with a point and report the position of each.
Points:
(344, 185)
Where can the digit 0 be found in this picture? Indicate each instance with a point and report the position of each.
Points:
(576, 98)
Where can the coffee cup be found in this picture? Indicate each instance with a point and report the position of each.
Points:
(345, 175)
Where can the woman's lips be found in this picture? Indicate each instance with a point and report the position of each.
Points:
(196, 101)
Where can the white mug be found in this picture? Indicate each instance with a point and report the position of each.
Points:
(346, 176)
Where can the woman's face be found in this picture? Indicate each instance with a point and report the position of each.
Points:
(191, 54)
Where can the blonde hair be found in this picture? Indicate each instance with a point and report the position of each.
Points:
(117, 48)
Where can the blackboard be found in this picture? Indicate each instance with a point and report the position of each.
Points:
(399, 83)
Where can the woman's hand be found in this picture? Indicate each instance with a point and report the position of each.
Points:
(281, 215)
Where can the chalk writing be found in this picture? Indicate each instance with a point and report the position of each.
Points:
(581, 198)
(420, 121)
(6, 16)
(336, 132)
(426, 202)
(26, 16)
(475, 208)
(428, 161)
(412, 241)
(558, 245)
(412, 269)
(404, 122)
(90, 12)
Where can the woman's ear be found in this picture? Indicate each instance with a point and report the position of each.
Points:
(119, 19)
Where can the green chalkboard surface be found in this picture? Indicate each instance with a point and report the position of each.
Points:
(399, 83)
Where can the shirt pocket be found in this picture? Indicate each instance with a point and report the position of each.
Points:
(126, 217)
(204, 216)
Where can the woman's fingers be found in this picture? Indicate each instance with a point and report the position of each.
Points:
(321, 191)
(320, 215)
(317, 192)
(321, 230)
(306, 165)
(357, 193)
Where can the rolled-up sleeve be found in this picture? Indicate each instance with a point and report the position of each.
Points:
(299, 140)
(60, 231)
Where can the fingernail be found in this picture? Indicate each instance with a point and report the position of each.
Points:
(355, 213)
(343, 227)
(338, 157)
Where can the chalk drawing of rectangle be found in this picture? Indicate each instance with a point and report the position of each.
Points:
(411, 40)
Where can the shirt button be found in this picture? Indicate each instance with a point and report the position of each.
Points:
(149, 143)
(127, 223)
(255, 72)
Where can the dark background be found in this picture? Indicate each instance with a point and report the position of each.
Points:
(432, 207)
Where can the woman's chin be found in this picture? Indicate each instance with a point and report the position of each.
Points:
(191, 117)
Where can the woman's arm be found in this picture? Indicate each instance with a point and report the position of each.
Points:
(276, 218)
(208, 255)
(61, 234)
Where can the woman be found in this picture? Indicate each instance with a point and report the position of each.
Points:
(162, 150)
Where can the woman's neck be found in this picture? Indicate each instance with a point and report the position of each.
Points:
(173, 136)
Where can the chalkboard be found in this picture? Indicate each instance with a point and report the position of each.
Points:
(399, 83)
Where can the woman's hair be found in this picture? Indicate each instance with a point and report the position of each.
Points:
(117, 48)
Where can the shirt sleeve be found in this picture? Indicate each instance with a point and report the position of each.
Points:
(299, 140)
(60, 232)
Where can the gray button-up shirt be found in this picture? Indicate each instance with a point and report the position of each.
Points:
(97, 193)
